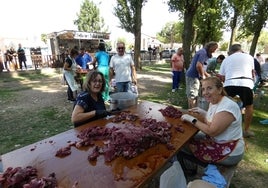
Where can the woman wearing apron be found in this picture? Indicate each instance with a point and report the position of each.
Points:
(69, 71)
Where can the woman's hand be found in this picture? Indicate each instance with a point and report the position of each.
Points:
(102, 113)
(198, 110)
(188, 118)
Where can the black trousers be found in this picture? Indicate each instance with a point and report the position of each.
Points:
(24, 62)
(70, 93)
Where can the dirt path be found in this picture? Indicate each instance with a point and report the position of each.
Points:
(37, 94)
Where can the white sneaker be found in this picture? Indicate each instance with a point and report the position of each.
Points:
(173, 90)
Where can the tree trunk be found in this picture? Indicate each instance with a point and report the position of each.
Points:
(137, 47)
(260, 22)
(187, 36)
(137, 34)
(254, 43)
(233, 28)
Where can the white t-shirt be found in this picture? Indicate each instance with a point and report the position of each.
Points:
(122, 67)
(234, 131)
(238, 65)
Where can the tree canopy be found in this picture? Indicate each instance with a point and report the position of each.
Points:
(89, 19)
(129, 13)
(171, 33)
(204, 21)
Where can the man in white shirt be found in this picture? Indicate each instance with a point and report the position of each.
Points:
(123, 68)
(237, 72)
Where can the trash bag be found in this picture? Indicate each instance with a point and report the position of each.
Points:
(173, 177)
(200, 184)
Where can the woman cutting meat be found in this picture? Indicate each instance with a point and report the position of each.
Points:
(220, 139)
(89, 104)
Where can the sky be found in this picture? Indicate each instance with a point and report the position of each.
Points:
(31, 18)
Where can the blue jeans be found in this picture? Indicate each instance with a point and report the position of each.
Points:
(122, 86)
(176, 78)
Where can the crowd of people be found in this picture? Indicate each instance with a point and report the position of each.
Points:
(237, 80)
(221, 136)
(239, 72)
(222, 126)
(177, 67)
(10, 58)
(89, 103)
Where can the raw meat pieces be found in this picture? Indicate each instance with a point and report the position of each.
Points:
(171, 111)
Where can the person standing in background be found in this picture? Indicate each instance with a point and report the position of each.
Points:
(177, 65)
(83, 59)
(150, 50)
(237, 72)
(88, 60)
(213, 62)
(12, 54)
(9, 57)
(69, 72)
(196, 72)
(264, 70)
(102, 60)
(1, 61)
(7, 60)
(80, 59)
(257, 76)
(21, 57)
(260, 58)
(122, 66)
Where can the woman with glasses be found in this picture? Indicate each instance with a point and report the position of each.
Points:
(89, 104)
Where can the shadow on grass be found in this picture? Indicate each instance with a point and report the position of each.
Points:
(25, 120)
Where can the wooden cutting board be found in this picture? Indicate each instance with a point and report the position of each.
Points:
(119, 173)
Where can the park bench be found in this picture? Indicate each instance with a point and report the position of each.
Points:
(226, 171)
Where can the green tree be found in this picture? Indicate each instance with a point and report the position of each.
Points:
(89, 19)
(129, 13)
(171, 33)
(209, 21)
(249, 16)
(223, 46)
(44, 38)
(188, 9)
(262, 42)
(254, 21)
(236, 9)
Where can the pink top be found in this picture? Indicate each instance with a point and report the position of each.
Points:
(177, 62)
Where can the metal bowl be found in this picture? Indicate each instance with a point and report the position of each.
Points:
(122, 100)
